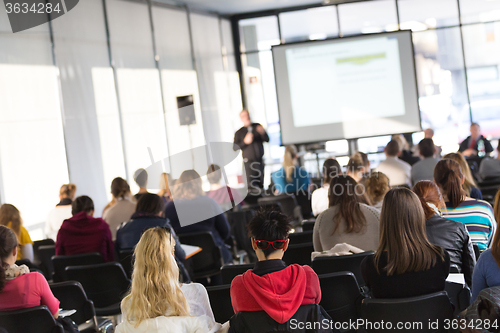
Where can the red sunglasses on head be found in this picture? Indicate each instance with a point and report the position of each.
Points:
(264, 244)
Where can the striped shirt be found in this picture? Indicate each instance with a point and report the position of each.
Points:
(477, 215)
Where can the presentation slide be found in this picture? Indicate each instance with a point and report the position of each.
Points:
(346, 88)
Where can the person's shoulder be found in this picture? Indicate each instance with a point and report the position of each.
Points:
(193, 288)
(369, 209)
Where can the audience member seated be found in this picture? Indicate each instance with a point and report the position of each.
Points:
(424, 169)
(487, 271)
(490, 167)
(121, 207)
(450, 235)
(157, 302)
(149, 214)
(189, 196)
(141, 179)
(398, 171)
(404, 147)
(83, 233)
(377, 185)
(470, 187)
(348, 220)
(20, 289)
(165, 193)
(470, 146)
(293, 179)
(406, 264)
(225, 196)
(11, 218)
(429, 134)
(319, 200)
(61, 212)
(477, 215)
(271, 286)
(356, 167)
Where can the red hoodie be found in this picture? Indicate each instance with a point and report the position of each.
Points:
(85, 234)
(279, 294)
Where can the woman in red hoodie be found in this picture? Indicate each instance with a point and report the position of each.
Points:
(83, 233)
(271, 286)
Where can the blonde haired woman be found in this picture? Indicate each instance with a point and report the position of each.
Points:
(157, 302)
(11, 218)
(469, 185)
(61, 211)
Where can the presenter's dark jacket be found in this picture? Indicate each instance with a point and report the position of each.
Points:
(255, 150)
(454, 238)
(466, 144)
(409, 284)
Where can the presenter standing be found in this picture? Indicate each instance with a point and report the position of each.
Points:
(249, 139)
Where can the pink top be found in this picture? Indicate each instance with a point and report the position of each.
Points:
(27, 291)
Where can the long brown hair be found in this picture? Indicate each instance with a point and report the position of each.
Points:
(9, 213)
(8, 241)
(342, 192)
(469, 183)
(448, 176)
(428, 192)
(402, 235)
(188, 186)
(495, 245)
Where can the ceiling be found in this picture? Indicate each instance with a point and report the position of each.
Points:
(229, 7)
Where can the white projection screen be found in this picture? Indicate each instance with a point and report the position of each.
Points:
(346, 88)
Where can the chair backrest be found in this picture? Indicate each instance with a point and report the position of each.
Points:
(340, 296)
(287, 202)
(207, 262)
(454, 269)
(301, 237)
(72, 296)
(349, 263)
(36, 246)
(45, 254)
(126, 259)
(238, 221)
(105, 284)
(416, 312)
(220, 301)
(37, 319)
(459, 294)
(298, 254)
(229, 272)
(61, 262)
(308, 225)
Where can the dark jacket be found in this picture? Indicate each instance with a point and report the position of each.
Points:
(255, 150)
(129, 233)
(85, 234)
(260, 321)
(466, 143)
(454, 238)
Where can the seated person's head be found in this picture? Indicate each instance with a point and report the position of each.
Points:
(377, 186)
(119, 188)
(82, 204)
(356, 166)
(269, 226)
(475, 130)
(347, 194)
(8, 251)
(214, 174)
(150, 204)
(155, 287)
(331, 168)
(67, 191)
(141, 178)
(392, 149)
(426, 148)
(188, 186)
(430, 197)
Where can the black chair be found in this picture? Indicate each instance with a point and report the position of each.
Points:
(288, 203)
(349, 263)
(209, 261)
(61, 262)
(341, 297)
(45, 254)
(238, 221)
(229, 272)
(36, 246)
(72, 297)
(298, 254)
(489, 188)
(220, 301)
(454, 269)
(126, 259)
(105, 284)
(32, 320)
(417, 312)
(459, 294)
(301, 237)
(308, 225)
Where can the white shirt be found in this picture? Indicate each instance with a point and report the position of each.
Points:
(319, 200)
(398, 171)
(55, 218)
